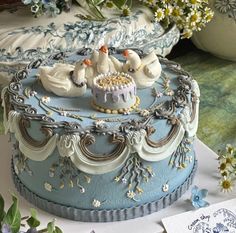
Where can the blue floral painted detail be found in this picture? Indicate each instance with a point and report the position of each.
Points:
(225, 223)
(220, 228)
(229, 218)
(84, 33)
(197, 197)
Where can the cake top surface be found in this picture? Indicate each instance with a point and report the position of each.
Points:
(172, 92)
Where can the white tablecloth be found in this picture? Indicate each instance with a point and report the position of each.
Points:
(206, 177)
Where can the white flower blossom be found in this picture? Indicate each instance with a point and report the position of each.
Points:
(96, 203)
(131, 194)
(165, 187)
(48, 187)
(144, 113)
(46, 99)
(99, 124)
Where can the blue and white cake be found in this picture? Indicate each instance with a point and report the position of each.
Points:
(83, 164)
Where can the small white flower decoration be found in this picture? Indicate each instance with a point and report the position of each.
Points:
(48, 187)
(63, 113)
(99, 124)
(117, 179)
(46, 99)
(96, 203)
(127, 112)
(33, 93)
(124, 180)
(144, 113)
(170, 93)
(131, 194)
(165, 187)
(159, 94)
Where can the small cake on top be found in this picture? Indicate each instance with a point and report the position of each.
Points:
(114, 93)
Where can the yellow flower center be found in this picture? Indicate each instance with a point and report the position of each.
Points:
(224, 173)
(226, 184)
(126, 12)
(229, 160)
(159, 14)
(222, 166)
(193, 2)
(176, 12)
(194, 18)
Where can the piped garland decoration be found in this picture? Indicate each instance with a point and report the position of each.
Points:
(68, 174)
(21, 164)
(180, 158)
(133, 174)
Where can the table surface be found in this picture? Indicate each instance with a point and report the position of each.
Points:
(206, 177)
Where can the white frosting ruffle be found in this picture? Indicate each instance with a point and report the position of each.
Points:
(68, 145)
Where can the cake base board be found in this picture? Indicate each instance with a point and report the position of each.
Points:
(102, 215)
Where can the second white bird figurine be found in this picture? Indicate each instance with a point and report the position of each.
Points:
(145, 71)
(102, 63)
(64, 79)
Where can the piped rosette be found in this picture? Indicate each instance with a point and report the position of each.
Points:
(114, 93)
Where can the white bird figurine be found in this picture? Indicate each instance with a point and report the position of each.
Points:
(102, 63)
(91, 71)
(145, 71)
(64, 79)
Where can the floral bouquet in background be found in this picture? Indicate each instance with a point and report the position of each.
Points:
(188, 15)
(49, 7)
(227, 168)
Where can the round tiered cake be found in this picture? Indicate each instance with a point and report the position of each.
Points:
(79, 163)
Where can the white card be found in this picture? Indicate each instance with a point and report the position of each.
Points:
(217, 218)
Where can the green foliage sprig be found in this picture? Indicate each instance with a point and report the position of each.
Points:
(12, 222)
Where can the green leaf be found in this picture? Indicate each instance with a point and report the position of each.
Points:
(13, 216)
(119, 3)
(57, 230)
(2, 212)
(51, 227)
(33, 222)
(129, 3)
(97, 2)
(1, 208)
(33, 213)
